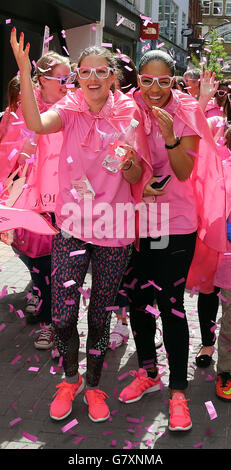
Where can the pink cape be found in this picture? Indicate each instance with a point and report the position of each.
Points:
(41, 187)
(208, 184)
(11, 218)
(124, 109)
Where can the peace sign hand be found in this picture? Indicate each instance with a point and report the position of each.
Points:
(21, 55)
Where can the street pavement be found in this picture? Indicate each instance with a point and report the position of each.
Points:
(28, 379)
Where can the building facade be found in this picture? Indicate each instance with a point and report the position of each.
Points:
(217, 14)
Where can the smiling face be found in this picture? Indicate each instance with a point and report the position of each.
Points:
(156, 95)
(51, 90)
(96, 90)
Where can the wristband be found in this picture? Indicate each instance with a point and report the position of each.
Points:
(174, 145)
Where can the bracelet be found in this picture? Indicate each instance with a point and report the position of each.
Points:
(126, 169)
(174, 145)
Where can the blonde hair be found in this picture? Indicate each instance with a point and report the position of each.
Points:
(47, 63)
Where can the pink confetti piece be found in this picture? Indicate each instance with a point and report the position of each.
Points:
(8, 21)
(211, 410)
(69, 159)
(178, 313)
(69, 302)
(33, 369)
(2, 326)
(14, 421)
(180, 281)
(77, 252)
(63, 32)
(121, 377)
(160, 45)
(69, 283)
(48, 39)
(16, 359)
(93, 28)
(30, 437)
(106, 44)
(54, 271)
(47, 280)
(128, 68)
(120, 21)
(129, 445)
(200, 444)
(12, 154)
(70, 425)
(152, 310)
(113, 443)
(65, 49)
(95, 352)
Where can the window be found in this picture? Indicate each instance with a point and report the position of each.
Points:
(168, 19)
(206, 7)
(218, 8)
(228, 9)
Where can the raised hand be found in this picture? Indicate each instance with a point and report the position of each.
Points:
(21, 54)
(208, 84)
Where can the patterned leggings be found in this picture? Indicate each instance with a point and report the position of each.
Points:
(108, 266)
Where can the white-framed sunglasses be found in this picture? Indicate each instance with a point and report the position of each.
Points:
(222, 93)
(100, 72)
(64, 79)
(164, 81)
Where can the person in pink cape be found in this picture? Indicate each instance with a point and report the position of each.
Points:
(217, 105)
(208, 300)
(91, 119)
(19, 148)
(178, 134)
(222, 278)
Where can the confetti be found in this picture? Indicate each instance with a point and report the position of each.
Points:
(95, 352)
(12, 153)
(120, 21)
(30, 436)
(69, 425)
(106, 44)
(211, 410)
(8, 21)
(160, 45)
(65, 49)
(69, 283)
(176, 312)
(33, 369)
(14, 421)
(2, 326)
(16, 359)
(78, 252)
(180, 281)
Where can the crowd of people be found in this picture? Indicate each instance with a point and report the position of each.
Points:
(92, 138)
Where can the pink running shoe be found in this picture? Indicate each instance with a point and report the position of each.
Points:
(97, 408)
(179, 419)
(141, 385)
(61, 406)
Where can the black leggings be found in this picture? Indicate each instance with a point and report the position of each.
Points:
(168, 268)
(207, 306)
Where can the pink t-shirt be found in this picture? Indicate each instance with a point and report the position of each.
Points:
(223, 273)
(98, 217)
(212, 109)
(175, 211)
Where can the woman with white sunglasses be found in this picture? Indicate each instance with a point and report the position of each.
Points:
(91, 119)
(174, 124)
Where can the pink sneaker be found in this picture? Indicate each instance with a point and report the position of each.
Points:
(179, 419)
(141, 385)
(97, 408)
(61, 406)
